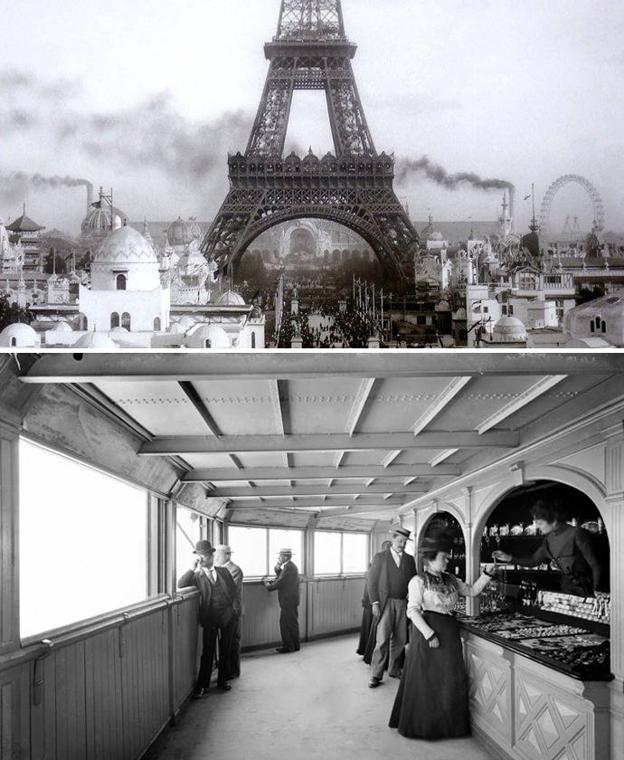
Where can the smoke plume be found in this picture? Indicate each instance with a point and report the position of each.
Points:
(438, 174)
(14, 185)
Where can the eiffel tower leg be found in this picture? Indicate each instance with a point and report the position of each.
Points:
(346, 114)
(268, 135)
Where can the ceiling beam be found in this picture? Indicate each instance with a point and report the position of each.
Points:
(343, 488)
(362, 472)
(232, 444)
(443, 400)
(209, 365)
(195, 399)
(367, 501)
(524, 398)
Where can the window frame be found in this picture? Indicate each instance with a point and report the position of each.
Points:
(156, 588)
(342, 533)
(267, 528)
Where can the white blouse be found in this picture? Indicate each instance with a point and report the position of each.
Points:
(432, 593)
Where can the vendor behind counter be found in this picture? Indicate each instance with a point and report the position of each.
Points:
(569, 548)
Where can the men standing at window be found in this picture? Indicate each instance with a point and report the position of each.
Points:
(286, 584)
(223, 558)
(388, 579)
(218, 609)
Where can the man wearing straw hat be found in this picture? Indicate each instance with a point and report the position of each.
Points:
(388, 579)
(286, 584)
(218, 608)
(223, 558)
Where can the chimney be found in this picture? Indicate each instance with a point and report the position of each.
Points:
(89, 197)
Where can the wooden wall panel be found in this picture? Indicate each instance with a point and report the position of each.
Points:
(145, 680)
(335, 605)
(58, 722)
(104, 716)
(14, 735)
(185, 642)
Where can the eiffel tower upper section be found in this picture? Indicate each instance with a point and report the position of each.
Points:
(311, 52)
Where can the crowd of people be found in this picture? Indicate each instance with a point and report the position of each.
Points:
(220, 584)
(432, 698)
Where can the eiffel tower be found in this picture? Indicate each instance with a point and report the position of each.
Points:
(352, 186)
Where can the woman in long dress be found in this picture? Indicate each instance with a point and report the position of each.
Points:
(432, 700)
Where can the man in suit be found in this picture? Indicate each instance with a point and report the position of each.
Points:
(223, 558)
(218, 609)
(388, 579)
(286, 584)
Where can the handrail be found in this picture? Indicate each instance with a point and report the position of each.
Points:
(71, 634)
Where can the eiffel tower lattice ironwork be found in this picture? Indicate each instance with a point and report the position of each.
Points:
(352, 186)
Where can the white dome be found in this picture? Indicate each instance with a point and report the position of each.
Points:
(125, 252)
(119, 331)
(19, 336)
(62, 327)
(509, 330)
(95, 340)
(230, 298)
(208, 336)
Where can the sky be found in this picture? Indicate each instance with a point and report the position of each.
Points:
(148, 97)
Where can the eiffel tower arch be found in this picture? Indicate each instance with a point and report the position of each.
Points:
(353, 186)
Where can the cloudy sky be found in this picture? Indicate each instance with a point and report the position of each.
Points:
(149, 96)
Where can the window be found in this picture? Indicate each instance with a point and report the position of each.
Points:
(121, 281)
(340, 553)
(114, 320)
(157, 327)
(207, 343)
(13, 341)
(256, 549)
(188, 533)
(125, 320)
(83, 541)
(253, 339)
(603, 326)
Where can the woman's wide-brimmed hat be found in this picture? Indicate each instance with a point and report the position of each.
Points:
(436, 542)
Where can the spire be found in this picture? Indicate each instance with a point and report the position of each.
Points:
(534, 226)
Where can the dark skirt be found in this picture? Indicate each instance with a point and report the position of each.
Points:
(432, 700)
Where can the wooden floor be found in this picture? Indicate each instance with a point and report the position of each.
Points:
(310, 705)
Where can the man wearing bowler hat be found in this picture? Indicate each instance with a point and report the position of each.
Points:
(218, 610)
(388, 579)
(287, 586)
(223, 558)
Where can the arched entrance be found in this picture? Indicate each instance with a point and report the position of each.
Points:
(507, 526)
(447, 523)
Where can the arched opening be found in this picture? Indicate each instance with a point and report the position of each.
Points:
(510, 528)
(121, 281)
(13, 342)
(448, 524)
(157, 324)
(302, 241)
(603, 326)
(207, 343)
(126, 320)
(114, 321)
(253, 339)
(83, 322)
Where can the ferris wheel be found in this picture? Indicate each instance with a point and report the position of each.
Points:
(567, 179)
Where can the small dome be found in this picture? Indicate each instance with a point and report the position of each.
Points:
(62, 327)
(95, 340)
(509, 330)
(119, 331)
(208, 336)
(230, 298)
(183, 232)
(186, 322)
(19, 335)
(125, 246)
(98, 220)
